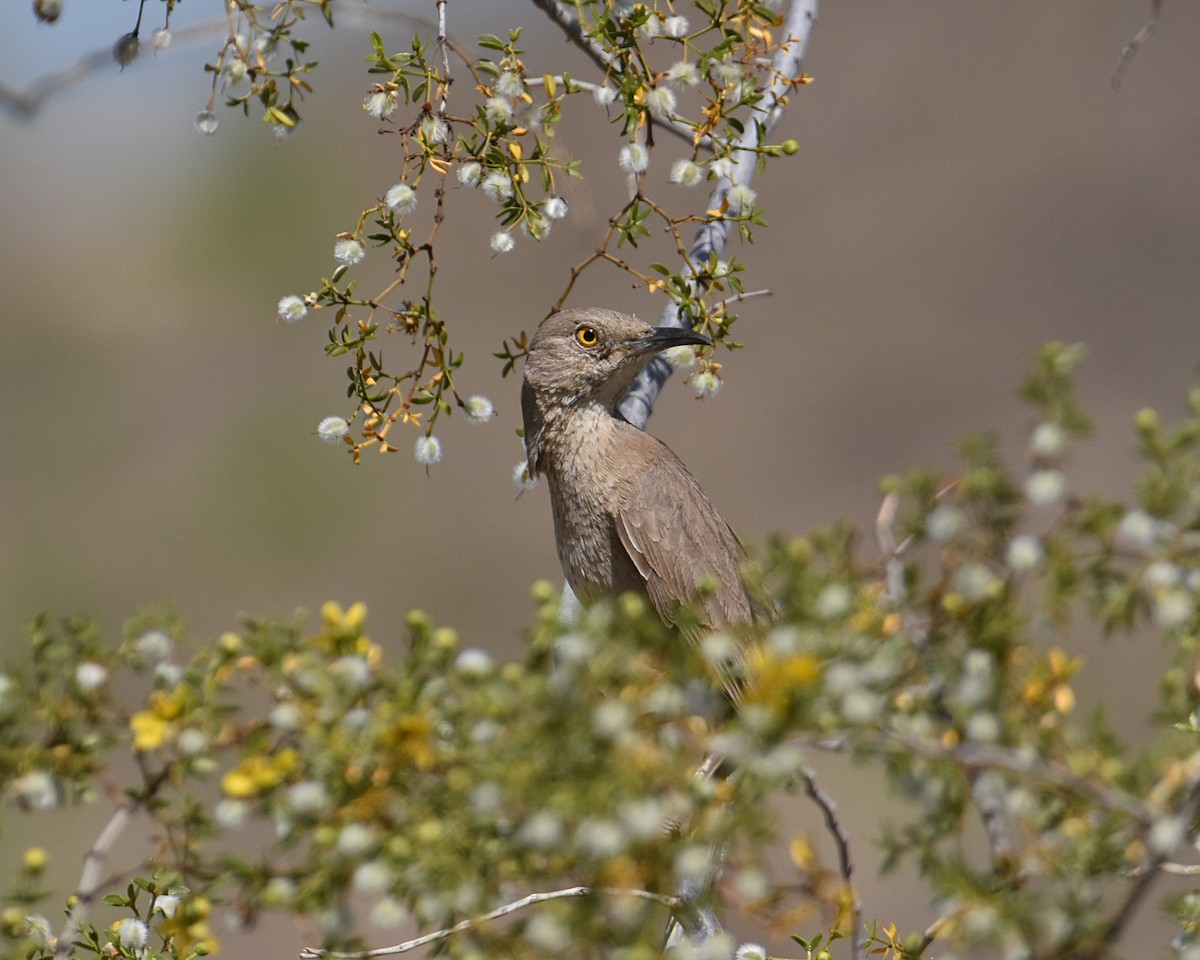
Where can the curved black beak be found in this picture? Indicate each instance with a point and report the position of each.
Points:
(661, 338)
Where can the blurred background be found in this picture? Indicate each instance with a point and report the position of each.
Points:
(968, 186)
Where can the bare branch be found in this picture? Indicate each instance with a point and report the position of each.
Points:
(312, 953)
(712, 236)
(841, 840)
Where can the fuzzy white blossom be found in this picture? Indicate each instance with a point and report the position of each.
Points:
(945, 522)
(706, 384)
(975, 581)
(291, 308)
(1025, 553)
(498, 110)
(1173, 607)
(510, 85)
(497, 186)
(555, 208)
(372, 877)
(153, 646)
(479, 409)
(681, 357)
(686, 173)
(434, 129)
(1045, 488)
(231, 813)
(741, 199)
(634, 158)
(834, 601)
(750, 951)
(401, 199)
(355, 839)
(604, 94)
(388, 912)
(469, 173)
(474, 662)
(427, 450)
(725, 73)
(380, 104)
(36, 790)
(660, 101)
(90, 676)
(675, 27)
(648, 30)
(502, 241)
(132, 933)
(1047, 440)
(308, 797)
(332, 429)
(522, 478)
(1138, 530)
(348, 251)
(206, 122)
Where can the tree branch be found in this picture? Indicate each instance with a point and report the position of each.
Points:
(712, 236)
(313, 953)
(841, 840)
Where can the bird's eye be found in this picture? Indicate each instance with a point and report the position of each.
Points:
(587, 336)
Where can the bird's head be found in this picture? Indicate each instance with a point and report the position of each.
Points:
(595, 354)
(584, 356)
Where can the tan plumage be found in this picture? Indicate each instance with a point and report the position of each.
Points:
(628, 516)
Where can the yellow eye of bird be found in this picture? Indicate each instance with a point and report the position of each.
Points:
(587, 336)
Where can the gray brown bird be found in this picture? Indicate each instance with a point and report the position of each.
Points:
(628, 516)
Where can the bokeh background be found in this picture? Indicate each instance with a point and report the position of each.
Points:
(968, 186)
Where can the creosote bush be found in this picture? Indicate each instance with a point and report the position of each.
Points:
(376, 785)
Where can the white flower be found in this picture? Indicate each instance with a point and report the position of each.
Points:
(469, 173)
(1166, 835)
(721, 167)
(388, 912)
(497, 186)
(683, 74)
(750, 951)
(166, 904)
(1138, 530)
(234, 72)
(479, 409)
(192, 742)
(706, 383)
(308, 797)
(1025, 553)
(90, 676)
(1161, 573)
(132, 933)
(291, 308)
(610, 719)
(983, 727)
(510, 85)
(1047, 440)
(352, 670)
(36, 790)
(231, 813)
(401, 199)
(725, 73)
(547, 934)
(686, 173)
(348, 251)
(498, 109)
(521, 476)
(741, 199)
(693, 862)
(834, 601)
(153, 646)
(681, 357)
(945, 522)
(604, 95)
(372, 877)
(974, 581)
(161, 38)
(206, 122)
(427, 450)
(503, 241)
(332, 429)
(355, 839)
(555, 208)
(542, 831)
(474, 662)
(675, 27)
(286, 716)
(434, 129)
(279, 890)
(601, 838)
(1045, 488)
(380, 104)
(660, 101)
(1173, 607)
(648, 30)
(634, 158)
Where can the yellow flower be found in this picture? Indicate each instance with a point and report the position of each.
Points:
(150, 731)
(256, 774)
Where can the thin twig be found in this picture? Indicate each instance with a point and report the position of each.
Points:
(841, 841)
(1131, 48)
(92, 875)
(313, 953)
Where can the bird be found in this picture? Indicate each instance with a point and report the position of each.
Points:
(628, 515)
